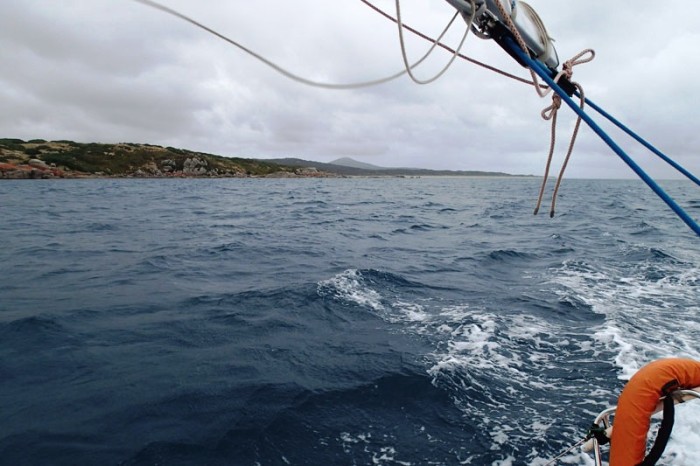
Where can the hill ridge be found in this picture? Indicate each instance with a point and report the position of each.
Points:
(39, 158)
(350, 162)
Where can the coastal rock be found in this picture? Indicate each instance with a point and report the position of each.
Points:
(36, 163)
(10, 171)
(62, 159)
(168, 165)
(281, 174)
(194, 166)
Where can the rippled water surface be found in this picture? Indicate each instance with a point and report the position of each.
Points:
(344, 321)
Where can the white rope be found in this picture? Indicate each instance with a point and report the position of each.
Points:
(566, 452)
(278, 68)
(541, 91)
(435, 44)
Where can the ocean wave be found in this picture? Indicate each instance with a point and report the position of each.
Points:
(359, 287)
(486, 361)
(509, 255)
(344, 321)
(25, 333)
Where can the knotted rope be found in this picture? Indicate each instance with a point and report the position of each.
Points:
(550, 113)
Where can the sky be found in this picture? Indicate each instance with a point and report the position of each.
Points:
(119, 71)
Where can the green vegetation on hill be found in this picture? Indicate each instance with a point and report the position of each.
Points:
(128, 159)
(39, 158)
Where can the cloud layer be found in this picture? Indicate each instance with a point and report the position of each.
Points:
(116, 70)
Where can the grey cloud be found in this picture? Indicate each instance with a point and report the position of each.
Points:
(110, 70)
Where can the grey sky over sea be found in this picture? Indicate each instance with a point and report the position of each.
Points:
(118, 71)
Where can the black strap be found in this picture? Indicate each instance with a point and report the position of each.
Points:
(666, 427)
(599, 434)
(670, 387)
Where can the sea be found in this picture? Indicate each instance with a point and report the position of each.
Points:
(354, 321)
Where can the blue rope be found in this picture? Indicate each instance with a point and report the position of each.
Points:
(544, 73)
(646, 144)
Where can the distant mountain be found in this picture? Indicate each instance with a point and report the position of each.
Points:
(348, 162)
(347, 170)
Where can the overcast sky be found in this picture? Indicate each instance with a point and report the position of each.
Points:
(118, 71)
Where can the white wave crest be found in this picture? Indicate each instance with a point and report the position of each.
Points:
(350, 286)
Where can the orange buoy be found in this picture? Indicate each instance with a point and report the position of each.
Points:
(639, 400)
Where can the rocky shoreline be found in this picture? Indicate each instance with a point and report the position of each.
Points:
(40, 159)
(36, 171)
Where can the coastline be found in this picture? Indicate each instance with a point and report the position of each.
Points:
(41, 159)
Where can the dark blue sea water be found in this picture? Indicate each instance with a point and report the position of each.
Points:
(333, 321)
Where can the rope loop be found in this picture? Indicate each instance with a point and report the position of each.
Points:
(583, 57)
(550, 112)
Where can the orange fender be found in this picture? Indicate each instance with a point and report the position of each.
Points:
(638, 402)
